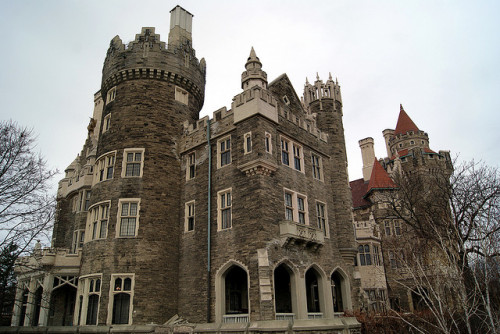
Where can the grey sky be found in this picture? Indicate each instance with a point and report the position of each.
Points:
(440, 59)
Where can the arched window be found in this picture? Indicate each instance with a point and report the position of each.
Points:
(24, 306)
(337, 286)
(312, 291)
(236, 291)
(282, 291)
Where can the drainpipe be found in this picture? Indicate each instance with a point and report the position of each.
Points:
(209, 218)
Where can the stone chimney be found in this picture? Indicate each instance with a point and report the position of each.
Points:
(181, 22)
(368, 156)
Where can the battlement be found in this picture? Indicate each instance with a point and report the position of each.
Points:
(147, 57)
(330, 90)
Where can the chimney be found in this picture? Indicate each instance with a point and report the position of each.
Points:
(368, 156)
(181, 22)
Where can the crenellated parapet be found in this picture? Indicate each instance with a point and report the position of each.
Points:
(320, 95)
(147, 57)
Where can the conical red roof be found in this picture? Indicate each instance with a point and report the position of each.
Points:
(379, 178)
(405, 123)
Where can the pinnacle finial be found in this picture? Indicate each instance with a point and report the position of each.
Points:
(317, 76)
(329, 75)
(336, 80)
(307, 81)
(253, 54)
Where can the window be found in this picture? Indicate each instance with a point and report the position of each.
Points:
(397, 228)
(298, 161)
(92, 292)
(224, 205)
(122, 287)
(133, 162)
(286, 100)
(269, 147)
(128, 217)
(284, 152)
(98, 221)
(191, 166)
(189, 214)
(224, 151)
(376, 256)
(104, 167)
(392, 260)
(78, 239)
(107, 123)
(321, 215)
(364, 255)
(111, 95)
(181, 95)
(247, 138)
(316, 166)
(387, 225)
(296, 207)
(87, 200)
(297, 154)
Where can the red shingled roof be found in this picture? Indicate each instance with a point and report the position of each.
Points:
(401, 153)
(428, 150)
(405, 123)
(379, 178)
(358, 191)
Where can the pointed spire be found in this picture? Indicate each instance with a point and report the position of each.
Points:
(405, 123)
(254, 75)
(329, 75)
(307, 81)
(317, 76)
(253, 55)
(379, 178)
(336, 80)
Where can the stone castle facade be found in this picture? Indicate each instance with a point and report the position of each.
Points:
(241, 218)
(386, 243)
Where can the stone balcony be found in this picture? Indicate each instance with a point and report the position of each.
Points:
(300, 234)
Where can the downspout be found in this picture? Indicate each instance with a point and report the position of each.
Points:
(209, 218)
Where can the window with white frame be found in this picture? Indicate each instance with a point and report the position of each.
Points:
(128, 217)
(106, 123)
(247, 142)
(78, 239)
(387, 227)
(121, 299)
(296, 208)
(268, 142)
(289, 147)
(321, 216)
(316, 166)
(224, 208)
(86, 202)
(133, 162)
(104, 167)
(98, 221)
(92, 294)
(181, 95)
(191, 166)
(365, 258)
(189, 214)
(397, 227)
(111, 95)
(224, 151)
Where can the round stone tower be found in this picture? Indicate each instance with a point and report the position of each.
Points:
(149, 89)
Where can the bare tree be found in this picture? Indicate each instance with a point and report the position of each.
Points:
(451, 258)
(26, 209)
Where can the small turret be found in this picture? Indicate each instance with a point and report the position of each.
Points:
(254, 75)
(320, 95)
(368, 156)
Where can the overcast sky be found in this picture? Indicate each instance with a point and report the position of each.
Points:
(440, 59)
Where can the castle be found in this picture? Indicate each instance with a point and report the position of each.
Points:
(386, 244)
(242, 218)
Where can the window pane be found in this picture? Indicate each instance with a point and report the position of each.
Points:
(130, 157)
(121, 306)
(104, 227)
(138, 156)
(98, 285)
(118, 284)
(300, 202)
(125, 209)
(288, 199)
(133, 209)
(127, 284)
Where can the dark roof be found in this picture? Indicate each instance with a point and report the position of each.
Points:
(358, 191)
